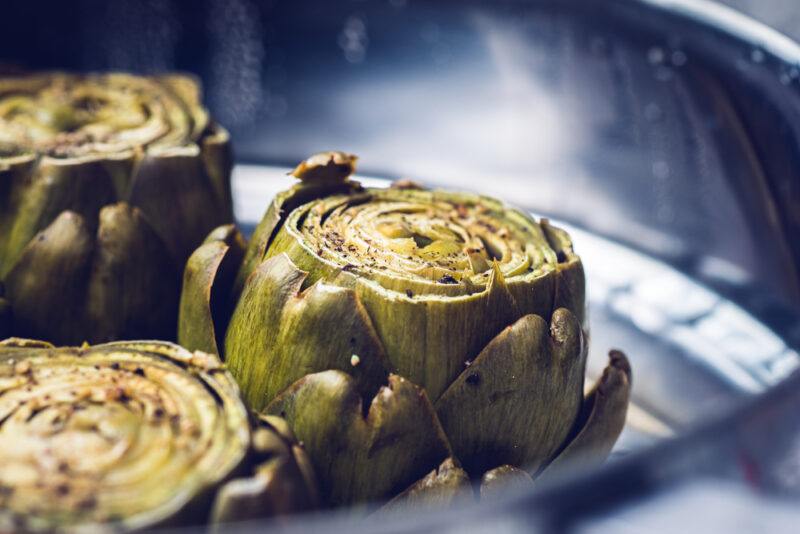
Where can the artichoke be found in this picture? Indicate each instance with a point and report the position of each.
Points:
(132, 435)
(396, 329)
(107, 184)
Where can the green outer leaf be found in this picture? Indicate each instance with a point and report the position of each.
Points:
(517, 401)
(50, 275)
(40, 192)
(430, 339)
(179, 198)
(570, 290)
(115, 460)
(71, 286)
(447, 486)
(282, 484)
(502, 480)
(278, 334)
(207, 281)
(195, 320)
(215, 148)
(327, 167)
(601, 420)
(360, 459)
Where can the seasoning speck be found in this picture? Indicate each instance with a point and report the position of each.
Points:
(355, 360)
(409, 293)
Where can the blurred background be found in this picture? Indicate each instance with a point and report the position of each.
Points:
(664, 133)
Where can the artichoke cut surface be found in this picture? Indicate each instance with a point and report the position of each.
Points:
(111, 181)
(127, 435)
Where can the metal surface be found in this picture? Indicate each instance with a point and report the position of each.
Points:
(667, 130)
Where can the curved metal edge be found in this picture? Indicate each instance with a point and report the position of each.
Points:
(734, 23)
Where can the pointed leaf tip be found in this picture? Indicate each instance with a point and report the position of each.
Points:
(357, 458)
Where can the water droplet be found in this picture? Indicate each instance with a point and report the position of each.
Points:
(664, 74)
(353, 39)
(678, 58)
(661, 169)
(652, 112)
(787, 76)
(430, 32)
(277, 106)
(598, 46)
(441, 53)
(757, 55)
(655, 55)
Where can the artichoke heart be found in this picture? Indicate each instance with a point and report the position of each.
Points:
(477, 305)
(125, 435)
(71, 147)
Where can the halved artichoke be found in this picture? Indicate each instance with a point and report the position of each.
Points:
(471, 311)
(132, 435)
(107, 184)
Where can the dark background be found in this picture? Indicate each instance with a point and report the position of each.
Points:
(645, 128)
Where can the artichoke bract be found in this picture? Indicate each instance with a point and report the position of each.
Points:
(397, 327)
(127, 435)
(283, 482)
(108, 182)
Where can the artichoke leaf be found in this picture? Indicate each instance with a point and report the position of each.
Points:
(215, 148)
(69, 277)
(517, 401)
(327, 167)
(570, 282)
(282, 483)
(174, 191)
(49, 187)
(447, 486)
(601, 420)
(360, 458)
(453, 330)
(126, 297)
(322, 327)
(50, 275)
(207, 281)
(499, 481)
